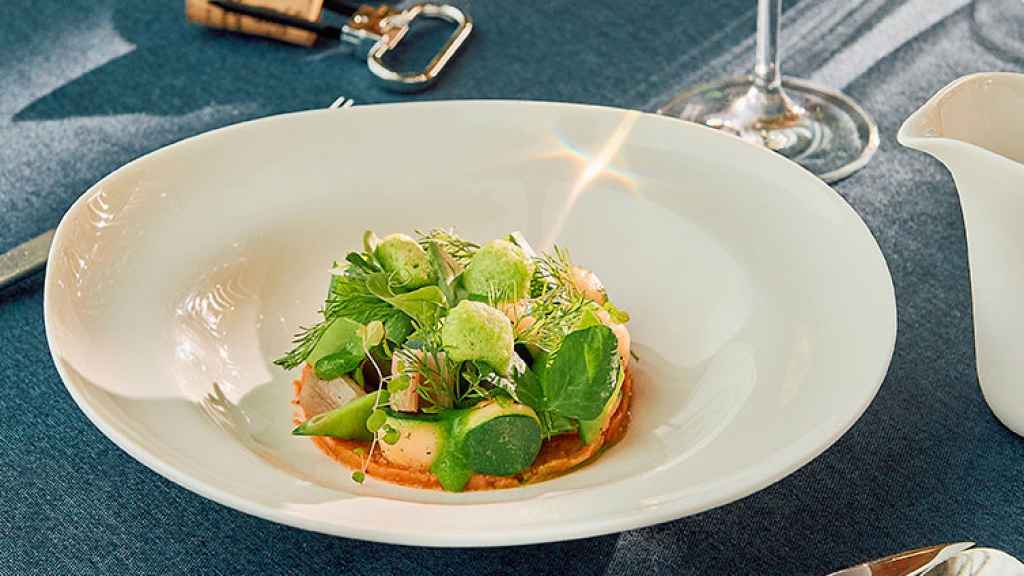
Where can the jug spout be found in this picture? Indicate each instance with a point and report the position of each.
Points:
(923, 127)
(976, 116)
(973, 126)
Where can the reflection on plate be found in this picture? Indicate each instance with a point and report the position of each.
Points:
(763, 312)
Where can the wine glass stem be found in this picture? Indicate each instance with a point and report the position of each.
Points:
(766, 60)
(766, 100)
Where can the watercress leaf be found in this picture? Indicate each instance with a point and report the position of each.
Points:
(424, 305)
(378, 284)
(541, 359)
(341, 335)
(582, 375)
(529, 390)
(338, 364)
(398, 327)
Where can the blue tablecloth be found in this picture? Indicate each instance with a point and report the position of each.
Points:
(86, 86)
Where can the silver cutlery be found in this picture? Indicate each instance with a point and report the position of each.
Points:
(911, 562)
(958, 559)
(25, 259)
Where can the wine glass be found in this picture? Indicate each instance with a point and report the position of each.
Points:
(1000, 25)
(821, 129)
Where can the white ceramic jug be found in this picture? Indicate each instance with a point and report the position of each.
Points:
(975, 126)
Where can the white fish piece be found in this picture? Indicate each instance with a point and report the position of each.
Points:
(407, 400)
(319, 396)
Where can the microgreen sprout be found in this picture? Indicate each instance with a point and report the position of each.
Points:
(378, 417)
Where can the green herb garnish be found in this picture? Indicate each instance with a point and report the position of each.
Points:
(578, 381)
(404, 302)
(461, 250)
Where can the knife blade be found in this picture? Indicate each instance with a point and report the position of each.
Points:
(909, 563)
(25, 259)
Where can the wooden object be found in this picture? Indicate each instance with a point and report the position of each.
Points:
(202, 12)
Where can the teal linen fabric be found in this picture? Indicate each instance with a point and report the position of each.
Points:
(86, 86)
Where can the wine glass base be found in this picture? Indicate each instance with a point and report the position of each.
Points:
(821, 129)
(999, 24)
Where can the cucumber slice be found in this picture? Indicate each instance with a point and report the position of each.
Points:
(347, 421)
(500, 438)
(503, 445)
(420, 440)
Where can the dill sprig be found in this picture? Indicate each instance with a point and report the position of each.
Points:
(305, 341)
(349, 297)
(497, 297)
(481, 382)
(554, 318)
(438, 377)
(556, 304)
(458, 248)
(554, 273)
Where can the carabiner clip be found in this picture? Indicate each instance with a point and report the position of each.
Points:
(382, 28)
(373, 30)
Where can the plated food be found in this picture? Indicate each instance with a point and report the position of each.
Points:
(764, 314)
(441, 363)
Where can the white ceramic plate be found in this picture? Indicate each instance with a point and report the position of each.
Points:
(763, 312)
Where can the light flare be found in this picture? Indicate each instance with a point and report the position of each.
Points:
(594, 168)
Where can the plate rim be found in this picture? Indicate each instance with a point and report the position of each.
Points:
(741, 484)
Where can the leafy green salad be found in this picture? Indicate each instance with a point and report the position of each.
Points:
(437, 356)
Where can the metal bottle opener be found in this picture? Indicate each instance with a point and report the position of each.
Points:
(374, 31)
(377, 35)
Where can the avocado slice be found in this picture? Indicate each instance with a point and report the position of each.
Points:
(347, 421)
(590, 430)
